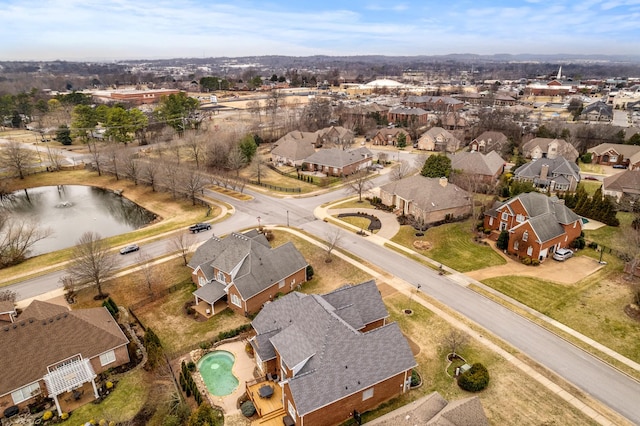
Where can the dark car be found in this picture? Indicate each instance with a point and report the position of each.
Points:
(590, 178)
(129, 249)
(197, 227)
(619, 166)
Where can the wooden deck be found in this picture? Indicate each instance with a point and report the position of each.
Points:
(272, 419)
(266, 407)
(69, 403)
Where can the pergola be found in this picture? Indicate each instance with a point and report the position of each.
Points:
(69, 377)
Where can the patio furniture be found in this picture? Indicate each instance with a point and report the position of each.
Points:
(265, 391)
(288, 421)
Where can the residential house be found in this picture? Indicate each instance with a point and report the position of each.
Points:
(427, 199)
(490, 141)
(454, 121)
(7, 311)
(554, 175)
(57, 353)
(332, 353)
(485, 168)
(434, 410)
(433, 103)
(294, 147)
(623, 186)
(487, 99)
(389, 136)
(405, 115)
(610, 154)
(357, 115)
(538, 225)
(549, 148)
(438, 139)
(338, 162)
(335, 136)
(597, 111)
(245, 271)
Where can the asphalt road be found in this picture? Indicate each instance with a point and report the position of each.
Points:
(592, 376)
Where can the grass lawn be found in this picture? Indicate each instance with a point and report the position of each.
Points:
(612, 236)
(353, 204)
(590, 167)
(590, 186)
(529, 402)
(452, 245)
(593, 306)
(121, 405)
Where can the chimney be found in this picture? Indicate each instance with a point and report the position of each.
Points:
(544, 171)
(443, 182)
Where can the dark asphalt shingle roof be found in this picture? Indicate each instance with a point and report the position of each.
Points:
(477, 163)
(428, 193)
(339, 359)
(336, 157)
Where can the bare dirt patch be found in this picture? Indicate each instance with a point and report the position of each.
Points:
(422, 245)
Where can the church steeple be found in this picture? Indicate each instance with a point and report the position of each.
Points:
(559, 76)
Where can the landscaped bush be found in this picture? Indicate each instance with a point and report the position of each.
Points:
(191, 366)
(415, 379)
(233, 333)
(526, 261)
(248, 409)
(310, 272)
(64, 416)
(475, 379)
(593, 245)
(48, 415)
(535, 262)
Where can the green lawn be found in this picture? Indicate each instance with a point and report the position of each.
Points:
(590, 186)
(452, 245)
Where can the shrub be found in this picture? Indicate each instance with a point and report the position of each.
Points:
(475, 379)
(48, 415)
(487, 231)
(248, 409)
(191, 366)
(593, 245)
(205, 345)
(64, 416)
(415, 378)
(535, 262)
(310, 272)
(109, 385)
(526, 261)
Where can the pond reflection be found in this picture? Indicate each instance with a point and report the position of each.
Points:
(71, 210)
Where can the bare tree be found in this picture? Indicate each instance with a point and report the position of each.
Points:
(333, 238)
(91, 261)
(192, 183)
(147, 269)
(358, 183)
(16, 157)
(171, 177)
(402, 170)
(455, 340)
(182, 244)
(17, 237)
(632, 246)
(96, 150)
(236, 160)
(129, 165)
(112, 156)
(258, 166)
(194, 146)
(150, 173)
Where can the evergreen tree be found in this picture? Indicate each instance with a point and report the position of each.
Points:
(436, 166)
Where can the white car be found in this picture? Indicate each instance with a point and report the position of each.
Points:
(562, 254)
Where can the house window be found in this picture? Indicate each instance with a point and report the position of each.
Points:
(503, 226)
(291, 409)
(367, 394)
(490, 221)
(221, 277)
(505, 216)
(574, 224)
(281, 284)
(516, 245)
(520, 218)
(529, 251)
(107, 358)
(236, 300)
(201, 280)
(525, 236)
(25, 393)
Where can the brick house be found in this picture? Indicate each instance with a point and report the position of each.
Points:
(139, 97)
(294, 147)
(245, 271)
(338, 162)
(332, 353)
(407, 115)
(485, 168)
(556, 174)
(57, 353)
(549, 148)
(438, 139)
(335, 136)
(489, 141)
(623, 187)
(389, 136)
(433, 103)
(597, 111)
(428, 199)
(538, 225)
(610, 154)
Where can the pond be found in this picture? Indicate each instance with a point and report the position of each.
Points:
(71, 210)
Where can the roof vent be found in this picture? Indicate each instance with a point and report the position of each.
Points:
(50, 319)
(23, 323)
(15, 326)
(58, 318)
(6, 328)
(65, 315)
(30, 320)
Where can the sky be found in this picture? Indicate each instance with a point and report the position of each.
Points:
(107, 30)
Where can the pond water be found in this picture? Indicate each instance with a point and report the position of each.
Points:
(71, 210)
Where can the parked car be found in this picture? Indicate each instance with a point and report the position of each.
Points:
(129, 249)
(562, 254)
(619, 166)
(590, 178)
(197, 227)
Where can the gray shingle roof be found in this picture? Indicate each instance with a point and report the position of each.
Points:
(545, 226)
(256, 265)
(626, 182)
(336, 157)
(211, 292)
(428, 193)
(341, 360)
(407, 111)
(477, 163)
(557, 166)
(295, 149)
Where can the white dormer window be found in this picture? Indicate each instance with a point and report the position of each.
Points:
(525, 236)
(221, 277)
(520, 218)
(505, 215)
(201, 280)
(236, 300)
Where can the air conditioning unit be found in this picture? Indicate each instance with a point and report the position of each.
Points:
(208, 311)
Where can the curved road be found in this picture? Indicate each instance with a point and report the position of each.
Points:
(586, 372)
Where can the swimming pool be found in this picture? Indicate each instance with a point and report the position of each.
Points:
(215, 369)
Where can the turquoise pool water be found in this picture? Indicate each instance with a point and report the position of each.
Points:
(215, 369)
